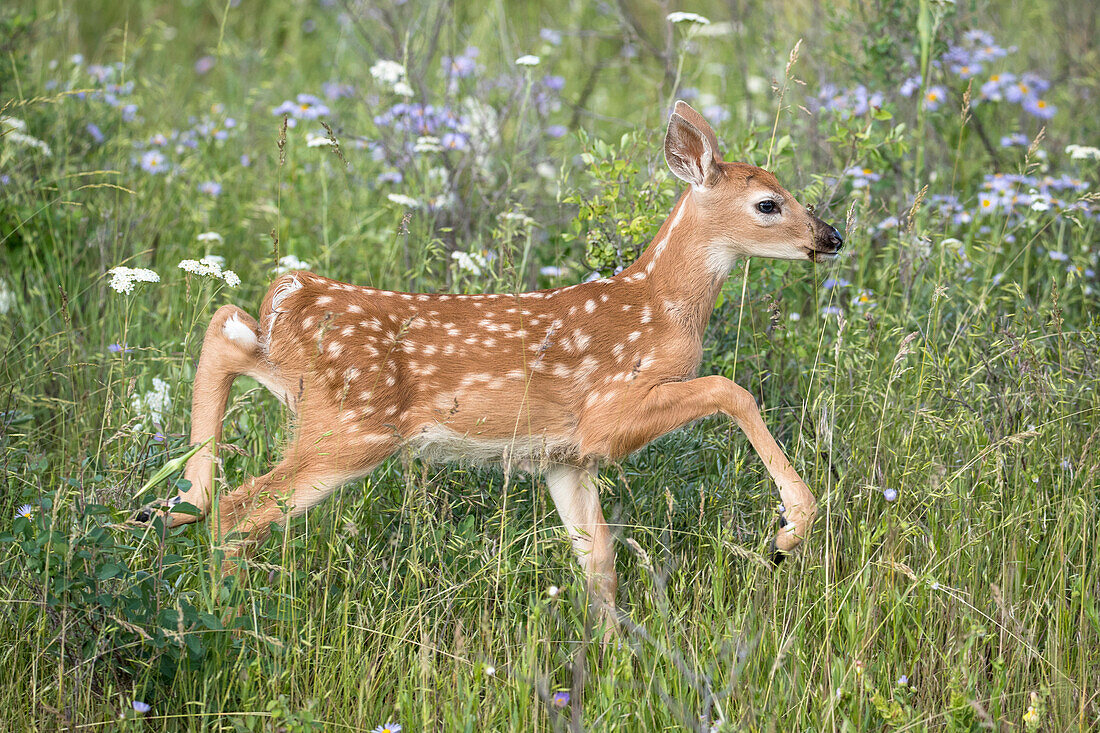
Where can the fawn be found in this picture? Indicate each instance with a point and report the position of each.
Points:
(554, 380)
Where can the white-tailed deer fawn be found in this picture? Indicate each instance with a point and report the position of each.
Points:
(557, 380)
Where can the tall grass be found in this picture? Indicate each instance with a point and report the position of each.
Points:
(937, 388)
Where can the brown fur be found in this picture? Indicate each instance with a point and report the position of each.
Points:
(560, 379)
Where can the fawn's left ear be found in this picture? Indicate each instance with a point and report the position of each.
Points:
(689, 152)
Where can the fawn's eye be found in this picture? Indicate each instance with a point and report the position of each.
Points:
(767, 206)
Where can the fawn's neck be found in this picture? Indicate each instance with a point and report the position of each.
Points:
(680, 269)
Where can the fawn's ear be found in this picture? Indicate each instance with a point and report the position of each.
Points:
(688, 112)
(688, 152)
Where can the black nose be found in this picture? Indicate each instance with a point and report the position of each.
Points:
(836, 240)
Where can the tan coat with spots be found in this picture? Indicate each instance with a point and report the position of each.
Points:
(555, 380)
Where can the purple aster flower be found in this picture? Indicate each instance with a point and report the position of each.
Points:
(890, 495)
(1039, 108)
(141, 707)
(129, 112)
(210, 188)
(205, 64)
(93, 130)
(560, 699)
(337, 90)
(716, 114)
(454, 141)
(934, 97)
(835, 282)
(556, 131)
(554, 82)
(551, 36)
(390, 177)
(910, 86)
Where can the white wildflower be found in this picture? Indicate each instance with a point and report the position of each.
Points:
(527, 60)
(316, 140)
(11, 130)
(7, 297)
(211, 266)
(123, 278)
(26, 511)
(490, 670)
(387, 72)
(1082, 152)
(517, 216)
(427, 144)
(154, 404)
(209, 237)
(388, 728)
(680, 17)
(402, 200)
(471, 262)
(290, 262)
(402, 89)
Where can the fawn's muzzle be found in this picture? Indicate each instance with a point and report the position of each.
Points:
(827, 241)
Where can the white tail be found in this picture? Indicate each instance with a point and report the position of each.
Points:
(556, 379)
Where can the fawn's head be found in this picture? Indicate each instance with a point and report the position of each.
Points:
(741, 209)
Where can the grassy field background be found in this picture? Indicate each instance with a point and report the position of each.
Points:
(935, 386)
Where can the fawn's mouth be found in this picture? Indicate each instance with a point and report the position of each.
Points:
(826, 246)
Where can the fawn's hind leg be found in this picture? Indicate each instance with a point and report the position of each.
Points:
(231, 348)
(306, 475)
(576, 495)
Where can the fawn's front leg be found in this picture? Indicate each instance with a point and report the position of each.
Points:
(674, 404)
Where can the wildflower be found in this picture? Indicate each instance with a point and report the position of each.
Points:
(1039, 108)
(123, 278)
(210, 188)
(141, 707)
(26, 511)
(1031, 717)
(560, 699)
(212, 266)
(835, 282)
(795, 316)
(93, 130)
(527, 60)
(387, 72)
(401, 200)
(402, 89)
(909, 86)
(1058, 256)
(288, 263)
(390, 177)
(553, 82)
(681, 17)
(551, 36)
(471, 262)
(934, 585)
(490, 670)
(859, 668)
(890, 495)
(1066, 464)
(208, 237)
(317, 140)
(11, 130)
(427, 144)
(205, 64)
(336, 90)
(864, 299)
(1082, 152)
(832, 310)
(153, 161)
(154, 404)
(388, 728)
(553, 591)
(1014, 140)
(119, 349)
(7, 298)
(903, 680)
(454, 141)
(461, 66)
(556, 131)
(551, 271)
(862, 177)
(231, 279)
(934, 97)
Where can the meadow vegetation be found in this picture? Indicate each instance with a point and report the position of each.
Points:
(935, 386)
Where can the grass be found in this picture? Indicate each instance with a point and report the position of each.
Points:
(937, 391)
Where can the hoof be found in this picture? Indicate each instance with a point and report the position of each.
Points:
(777, 556)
